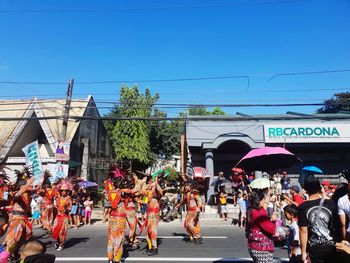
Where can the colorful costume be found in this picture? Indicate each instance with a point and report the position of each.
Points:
(131, 219)
(116, 226)
(191, 224)
(61, 223)
(152, 217)
(20, 229)
(47, 211)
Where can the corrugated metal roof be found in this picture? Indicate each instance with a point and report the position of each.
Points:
(46, 108)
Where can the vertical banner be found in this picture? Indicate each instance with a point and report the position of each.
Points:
(33, 160)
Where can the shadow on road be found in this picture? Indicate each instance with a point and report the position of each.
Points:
(74, 241)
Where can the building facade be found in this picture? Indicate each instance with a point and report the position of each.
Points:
(320, 140)
(31, 121)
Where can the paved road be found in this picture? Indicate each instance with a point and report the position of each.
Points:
(222, 243)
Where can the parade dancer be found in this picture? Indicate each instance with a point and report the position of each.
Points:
(194, 205)
(154, 192)
(134, 185)
(47, 209)
(63, 205)
(116, 222)
(20, 229)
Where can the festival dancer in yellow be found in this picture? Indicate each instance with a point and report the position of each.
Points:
(194, 205)
(20, 229)
(61, 223)
(154, 192)
(116, 222)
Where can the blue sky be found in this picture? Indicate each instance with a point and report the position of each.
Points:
(142, 40)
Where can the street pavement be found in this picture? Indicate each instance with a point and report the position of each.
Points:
(222, 242)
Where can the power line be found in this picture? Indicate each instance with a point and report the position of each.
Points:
(184, 106)
(112, 10)
(308, 73)
(191, 118)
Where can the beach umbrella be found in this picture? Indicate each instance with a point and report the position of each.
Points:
(260, 183)
(313, 169)
(267, 159)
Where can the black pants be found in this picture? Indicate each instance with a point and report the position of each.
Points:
(322, 253)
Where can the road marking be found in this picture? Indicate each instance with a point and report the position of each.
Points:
(182, 237)
(160, 259)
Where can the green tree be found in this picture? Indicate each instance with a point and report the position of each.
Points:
(165, 136)
(339, 102)
(131, 137)
(217, 111)
(141, 141)
(203, 111)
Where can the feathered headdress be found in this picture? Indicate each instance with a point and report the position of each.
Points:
(23, 175)
(117, 172)
(68, 184)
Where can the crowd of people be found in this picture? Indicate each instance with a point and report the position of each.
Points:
(311, 221)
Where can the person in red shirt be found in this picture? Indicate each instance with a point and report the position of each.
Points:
(260, 228)
(297, 199)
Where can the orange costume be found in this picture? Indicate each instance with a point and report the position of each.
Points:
(20, 229)
(61, 223)
(47, 211)
(116, 226)
(153, 193)
(191, 223)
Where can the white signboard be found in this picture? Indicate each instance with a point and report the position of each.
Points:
(57, 171)
(306, 133)
(33, 160)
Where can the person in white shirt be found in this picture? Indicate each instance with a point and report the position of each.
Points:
(294, 249)
(344, 214)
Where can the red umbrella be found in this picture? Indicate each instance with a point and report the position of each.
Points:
(200, 172)
(267, 158)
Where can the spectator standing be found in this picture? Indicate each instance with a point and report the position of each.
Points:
(285, 182)
(235, 184)
(344, 215)
(278, 186)
(243, 204)
(297, 198)
(36, 205)
(223, 202)
(316, 222)
(88, 204)
(294, 250)
(260, 228)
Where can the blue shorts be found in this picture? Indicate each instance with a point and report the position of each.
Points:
(74, 210)
(36, 215)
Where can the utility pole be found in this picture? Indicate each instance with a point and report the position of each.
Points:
(66, 110)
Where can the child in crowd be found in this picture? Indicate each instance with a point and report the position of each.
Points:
(36, 205)
(243, 204)
(294, 250)
(223, 203)
(88, 204)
